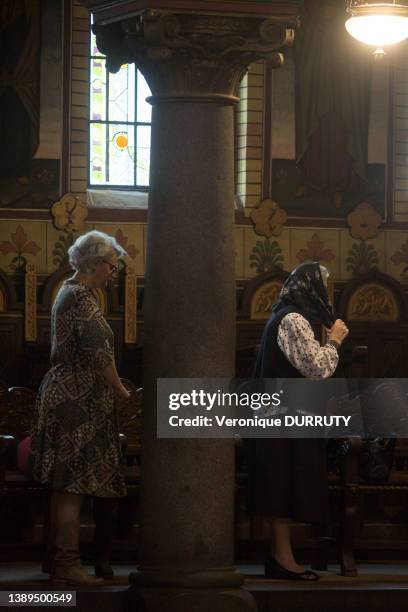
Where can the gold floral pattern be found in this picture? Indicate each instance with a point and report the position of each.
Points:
(364, 221)
(266, 256)
(401, 257)
(130, 306)
(362, 257)
(315, 251)
(69, 213)
(130, 249)
(268, 219)
(373, 302)
(20, 245)
(30, 307)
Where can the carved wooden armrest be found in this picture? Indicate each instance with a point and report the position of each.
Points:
(350, 511)
(351, 448)
(123, 441)
(6, 444)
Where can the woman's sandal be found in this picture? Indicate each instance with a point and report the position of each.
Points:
(276, 571)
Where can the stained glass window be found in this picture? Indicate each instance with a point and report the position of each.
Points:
(120, 125)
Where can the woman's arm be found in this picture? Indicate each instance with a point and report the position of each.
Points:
(111, 375)
(94, 339)
(299, 345)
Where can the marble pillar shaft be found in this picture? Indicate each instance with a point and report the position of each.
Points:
(190, 274)
(189, 331)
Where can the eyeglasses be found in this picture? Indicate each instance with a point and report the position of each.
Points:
(112, 268)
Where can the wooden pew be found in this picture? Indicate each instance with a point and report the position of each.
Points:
(17, 491)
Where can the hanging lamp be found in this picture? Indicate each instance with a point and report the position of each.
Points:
(378, 24)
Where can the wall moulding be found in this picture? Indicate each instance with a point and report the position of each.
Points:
(106, 10)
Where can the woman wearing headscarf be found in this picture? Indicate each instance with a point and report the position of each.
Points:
(290, 474)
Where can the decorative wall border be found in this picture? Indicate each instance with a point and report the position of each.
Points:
(30, 301)
(130, 306)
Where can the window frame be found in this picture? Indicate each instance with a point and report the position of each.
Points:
(136, 124)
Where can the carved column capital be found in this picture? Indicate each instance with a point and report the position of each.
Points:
(193, 56)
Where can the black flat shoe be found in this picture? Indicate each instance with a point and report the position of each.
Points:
(46, 567)
(276, 571)
(104, 570)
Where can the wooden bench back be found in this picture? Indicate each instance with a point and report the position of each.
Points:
(17, 406)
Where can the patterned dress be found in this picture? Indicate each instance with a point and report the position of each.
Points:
(75, 436)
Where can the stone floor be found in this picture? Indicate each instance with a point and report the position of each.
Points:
(368, 573)
(378, 587)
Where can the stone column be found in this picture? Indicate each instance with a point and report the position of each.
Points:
(193, 64)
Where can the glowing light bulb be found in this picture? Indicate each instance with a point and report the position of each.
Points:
(379, 24)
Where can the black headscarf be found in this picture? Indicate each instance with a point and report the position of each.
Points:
(305, 290)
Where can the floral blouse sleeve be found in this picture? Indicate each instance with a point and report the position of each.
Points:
(299, 345)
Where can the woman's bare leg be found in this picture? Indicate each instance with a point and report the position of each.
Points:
(283, 552)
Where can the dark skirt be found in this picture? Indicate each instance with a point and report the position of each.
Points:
(288, 478)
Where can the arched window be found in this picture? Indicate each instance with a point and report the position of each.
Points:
(120, 126)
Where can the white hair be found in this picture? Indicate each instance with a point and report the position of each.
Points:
(91, 248)
(324, 272)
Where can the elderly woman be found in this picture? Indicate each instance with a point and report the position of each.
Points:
(75, 438)
(290, 474)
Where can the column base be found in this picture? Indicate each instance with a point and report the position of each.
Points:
(190, 600)
(168, 577)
